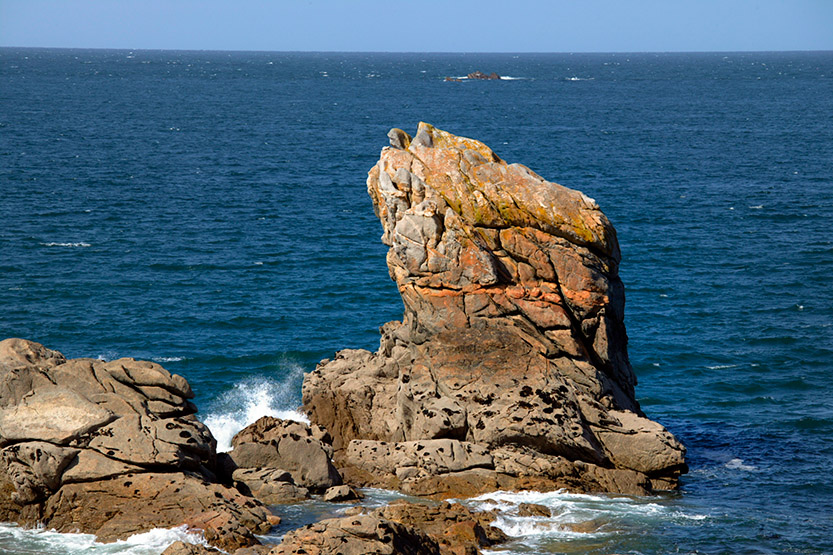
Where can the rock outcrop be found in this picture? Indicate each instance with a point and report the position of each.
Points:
(399, 528)
(110, 448)
(281, 461)
(510, 366)
(485, 76)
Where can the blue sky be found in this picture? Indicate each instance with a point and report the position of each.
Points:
(421, 25)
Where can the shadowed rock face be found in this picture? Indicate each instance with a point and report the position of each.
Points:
(109, 448)
(512, 339)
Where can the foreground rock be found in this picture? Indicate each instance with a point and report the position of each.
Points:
(510, 367)
(280, 461)
(399, 528)
(110, 448)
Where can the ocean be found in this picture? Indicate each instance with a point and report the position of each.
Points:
(208, 211)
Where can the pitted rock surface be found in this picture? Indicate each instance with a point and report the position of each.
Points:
(513, 333)
(109, 448)
(294, 447)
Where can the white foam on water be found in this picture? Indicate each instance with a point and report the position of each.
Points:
(738, 464)
(253, 399)
(75, 245)
(17, 540)
(167, 359)
(574, 516)
(722, 366)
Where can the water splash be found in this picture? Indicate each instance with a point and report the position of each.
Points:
(252, 399)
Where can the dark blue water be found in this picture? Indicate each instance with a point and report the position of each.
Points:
(208, 210)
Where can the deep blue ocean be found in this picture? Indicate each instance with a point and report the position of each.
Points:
(208, 211)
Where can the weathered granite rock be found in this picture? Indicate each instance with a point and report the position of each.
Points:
(109, 448)
(337, 494)
(182, 548)
(513, 336)
(269, 485)
(401, 527)
(357, 535)
(293, 447)
(456, 528)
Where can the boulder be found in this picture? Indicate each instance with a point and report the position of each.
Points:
(399, 528)
(110, 448)
(287, 445)
(512, 342)
(357, 535)
(340, 493)
(269, 485)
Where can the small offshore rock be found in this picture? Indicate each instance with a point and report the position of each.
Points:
(480, 75)
(357, 535)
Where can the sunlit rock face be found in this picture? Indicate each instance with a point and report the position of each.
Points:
(512, 343)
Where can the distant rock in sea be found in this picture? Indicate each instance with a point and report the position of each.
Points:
(510, 368)
(485, 76)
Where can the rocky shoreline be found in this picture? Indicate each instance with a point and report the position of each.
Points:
(508, 371)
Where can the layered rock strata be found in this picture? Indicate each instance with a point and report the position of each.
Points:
(110, 448)
(510, 366)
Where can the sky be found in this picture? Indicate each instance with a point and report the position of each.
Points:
(421, 25)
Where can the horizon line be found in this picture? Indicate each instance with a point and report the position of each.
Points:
(410, 51)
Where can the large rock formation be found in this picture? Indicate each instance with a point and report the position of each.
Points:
(510, 366)
(110, 448)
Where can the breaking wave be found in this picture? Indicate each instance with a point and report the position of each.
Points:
(251, 399)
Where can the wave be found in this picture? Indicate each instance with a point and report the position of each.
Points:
(73, 245)
(579, 78)
(738, 464)
(254, 398)
(575, 516)
(167, 359)
(14, 539)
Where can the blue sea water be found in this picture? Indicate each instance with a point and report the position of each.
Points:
(207, 210)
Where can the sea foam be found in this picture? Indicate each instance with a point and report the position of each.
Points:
(39, 540)
(574, 516)
(252, 399)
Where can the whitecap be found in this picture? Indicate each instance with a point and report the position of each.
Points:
(738, 464)
(71, 245)
(167, 359)
(252, 399)
(722, 366)
(757, 207)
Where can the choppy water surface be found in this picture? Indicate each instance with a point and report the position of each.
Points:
(207, 210)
